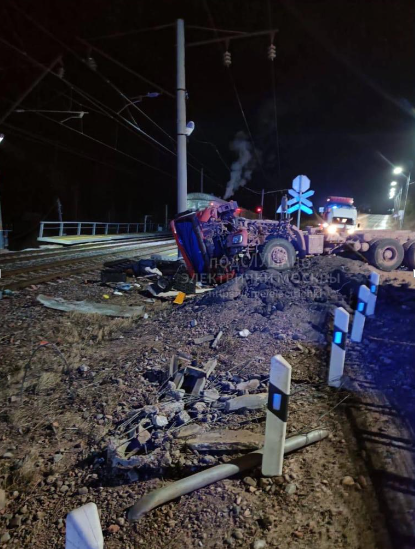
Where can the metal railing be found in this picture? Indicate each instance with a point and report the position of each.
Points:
(81, 228)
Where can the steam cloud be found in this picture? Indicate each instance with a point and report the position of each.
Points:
(241, 169)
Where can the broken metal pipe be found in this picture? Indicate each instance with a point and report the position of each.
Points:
(214, 474)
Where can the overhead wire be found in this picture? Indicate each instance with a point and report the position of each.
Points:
(37, 138)
(54, 37)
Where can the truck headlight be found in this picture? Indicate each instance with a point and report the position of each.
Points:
(237, 239)
(332, 229)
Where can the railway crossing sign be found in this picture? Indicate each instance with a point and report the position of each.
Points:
(300, 197)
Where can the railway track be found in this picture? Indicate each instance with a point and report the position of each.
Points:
(37, 268)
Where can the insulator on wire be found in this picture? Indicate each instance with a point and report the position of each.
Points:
(92, 64)
(227, 59)
(272, 52)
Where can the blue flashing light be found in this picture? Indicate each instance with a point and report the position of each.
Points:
(373, 288)
(334, 207)
(338, 337)
(360, 306)
(276, 402)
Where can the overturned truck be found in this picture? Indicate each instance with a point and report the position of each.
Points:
(218, 242)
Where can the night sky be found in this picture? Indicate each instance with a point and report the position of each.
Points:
(344, 81)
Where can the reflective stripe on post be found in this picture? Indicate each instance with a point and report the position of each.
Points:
(360, 314)
(83, 528)
(338, 347)
(276, 424)
(374, 280)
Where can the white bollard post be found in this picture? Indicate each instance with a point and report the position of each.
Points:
(360, 314)
(83, 528)
(276, 424)
(338, 347)
(374, 280)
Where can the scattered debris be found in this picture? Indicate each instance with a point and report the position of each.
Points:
(216, 340)
(244, 333)
(226, 440)
(89, 307)
(250, 402)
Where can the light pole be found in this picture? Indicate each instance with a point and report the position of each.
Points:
(2, 239)
(181, 120)
(403, 193)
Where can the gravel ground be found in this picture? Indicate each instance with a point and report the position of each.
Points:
(70, 380)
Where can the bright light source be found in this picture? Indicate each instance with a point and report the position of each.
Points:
(397, 170)
(1, 137)
(325, 224)
(393, 183)
(259, 210)
(332, 229)
(351, 230)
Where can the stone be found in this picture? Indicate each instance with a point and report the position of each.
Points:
(250, 402)
(3, 499)
(290, 489)
(7, 455)
(362, 481)
(199, 407)
(238, 534)
(244, 333)
(348, 481)
(83, 491)
(160, 422)
(144, 436)
(211, 395)
(16, 521)
(203, 339)
(64, 488)
(281, 337)
(217, 441)
(113, 528)
(5, 537)
(259, 544)
(170, 409)
(193, 323)
(188, 431)
(182, 418)
(250, 385)
(208, 460)
(120, 521)
(83, 368)
(23, 510)
(249, 481)
(40, 515)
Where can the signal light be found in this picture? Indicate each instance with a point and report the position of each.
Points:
(259, 210)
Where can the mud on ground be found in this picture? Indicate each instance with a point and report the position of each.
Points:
(63, 401)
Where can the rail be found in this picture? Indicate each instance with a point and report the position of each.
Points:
(78, 228)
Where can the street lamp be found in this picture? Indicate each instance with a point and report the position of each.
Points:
(398, 170)
(1, 137)
(393, 183)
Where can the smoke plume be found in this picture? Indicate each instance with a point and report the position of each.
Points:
(242, 168)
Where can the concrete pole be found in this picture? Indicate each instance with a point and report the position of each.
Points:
(360, 314)
(2, 239)
(181, 120)
(405, 199)
(262, 203)
(201, 180)
(59, 207)
(338, 347)
(276, 423)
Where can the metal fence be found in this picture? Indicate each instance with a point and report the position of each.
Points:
(78, 228)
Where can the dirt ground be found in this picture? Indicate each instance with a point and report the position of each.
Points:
(69, 381)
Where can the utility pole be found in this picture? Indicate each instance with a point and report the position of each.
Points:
(201, 180)
(2, 239)
(181, 120)
(59, 206)
(262, 202)
(166, 215)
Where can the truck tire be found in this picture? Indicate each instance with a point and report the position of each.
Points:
(409, 248)
(278, 254)
(386, 254)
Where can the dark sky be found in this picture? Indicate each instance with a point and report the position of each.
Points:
(344, 77)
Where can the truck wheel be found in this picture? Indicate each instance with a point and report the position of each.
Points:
(409, 248)
(278, 254)
(386, 254)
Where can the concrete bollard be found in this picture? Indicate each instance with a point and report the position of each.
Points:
(276, 424)
(374, 280)
(338, 347)
(83, 528)
(360, 314)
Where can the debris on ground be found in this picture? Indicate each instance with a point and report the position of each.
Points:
(88, 307)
